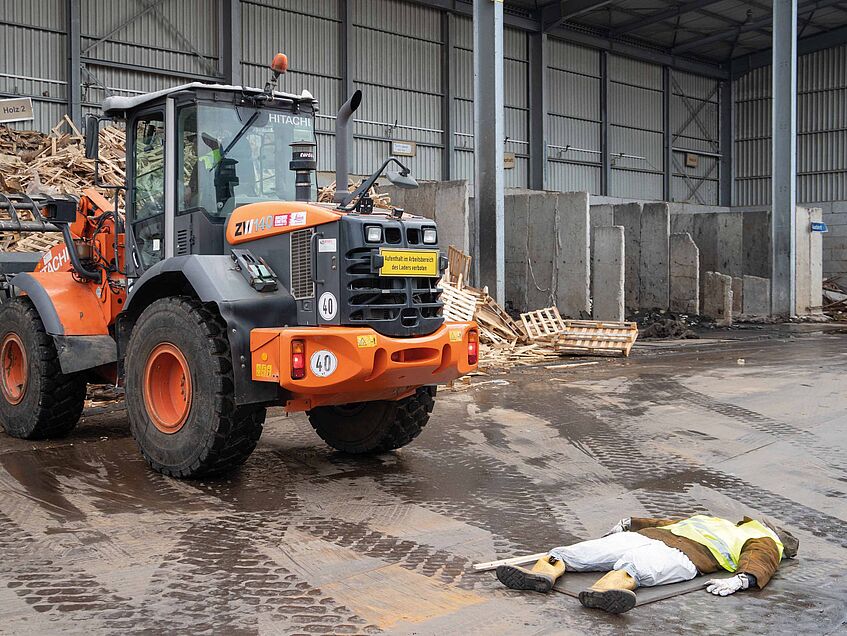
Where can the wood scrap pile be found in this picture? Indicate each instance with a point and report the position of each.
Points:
(834, 299)
(38, 164)
(539, 337)
(381, 200)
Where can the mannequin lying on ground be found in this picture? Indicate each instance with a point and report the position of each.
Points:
(640, 552)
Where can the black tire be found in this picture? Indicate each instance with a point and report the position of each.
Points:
(374, 427)
(216, 436)
(50, 403)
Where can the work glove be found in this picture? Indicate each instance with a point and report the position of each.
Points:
(725, 587)
(621, 526)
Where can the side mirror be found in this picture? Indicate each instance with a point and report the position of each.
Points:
(92, 137)
(401, 180)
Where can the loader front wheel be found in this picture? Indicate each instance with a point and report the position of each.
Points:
(374, 427)
(37, 400)
(180, 392)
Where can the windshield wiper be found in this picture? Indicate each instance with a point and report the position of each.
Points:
(240, 134)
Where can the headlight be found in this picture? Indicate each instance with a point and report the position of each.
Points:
(373, 234)
(430, 236)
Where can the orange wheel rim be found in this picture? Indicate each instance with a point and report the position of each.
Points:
(167, 388)
(14, 375)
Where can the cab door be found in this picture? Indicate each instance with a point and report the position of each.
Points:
(146, 200)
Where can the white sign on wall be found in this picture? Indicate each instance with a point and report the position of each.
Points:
(18, 109)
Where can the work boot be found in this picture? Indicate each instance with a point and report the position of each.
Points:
(540, 578)
(613, 593)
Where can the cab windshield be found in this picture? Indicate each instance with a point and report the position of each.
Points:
(232, 155)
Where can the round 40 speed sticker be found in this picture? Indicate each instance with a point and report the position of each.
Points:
(323, 363)
(327, 306)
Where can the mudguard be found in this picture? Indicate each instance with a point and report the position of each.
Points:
(73, 316)
(214, 279)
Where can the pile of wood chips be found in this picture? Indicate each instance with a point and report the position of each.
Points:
(381, 200)
(540, 337)
(37, 164)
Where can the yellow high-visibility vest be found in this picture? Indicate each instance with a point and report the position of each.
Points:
(723, 538)
(211, 159)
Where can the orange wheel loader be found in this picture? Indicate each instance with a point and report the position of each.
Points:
(223, 288)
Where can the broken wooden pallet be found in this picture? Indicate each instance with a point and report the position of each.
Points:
(543, 324)
(459, 305)
(596, 337)
(458, 267)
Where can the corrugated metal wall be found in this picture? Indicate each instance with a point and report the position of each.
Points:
(821, 130)
(398, 67)
(33, 45)
(573, 120)
(132, 47)
(146, 50)
(516, 100)
(308, 32)
(461, 69)
(695, 123)
(636, 140)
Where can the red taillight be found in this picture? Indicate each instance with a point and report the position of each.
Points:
(298, 360)
(473, 347)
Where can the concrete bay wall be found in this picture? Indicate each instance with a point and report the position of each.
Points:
(445, 202)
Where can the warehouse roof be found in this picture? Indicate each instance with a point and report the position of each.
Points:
(715, 31)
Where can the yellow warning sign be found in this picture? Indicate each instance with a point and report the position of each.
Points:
(366, 342)
(409, 263)
(455, 335)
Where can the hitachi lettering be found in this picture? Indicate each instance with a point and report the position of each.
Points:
(292, 120)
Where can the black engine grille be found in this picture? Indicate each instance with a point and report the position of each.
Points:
(393, 306)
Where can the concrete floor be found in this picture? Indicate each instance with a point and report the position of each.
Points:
(304, 540)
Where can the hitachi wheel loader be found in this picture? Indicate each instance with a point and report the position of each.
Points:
(223, 288)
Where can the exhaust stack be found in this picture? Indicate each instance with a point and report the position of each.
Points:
(342, 152)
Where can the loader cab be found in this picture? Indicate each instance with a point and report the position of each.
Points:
(194, 154)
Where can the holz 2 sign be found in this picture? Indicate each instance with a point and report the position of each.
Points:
(18, 109)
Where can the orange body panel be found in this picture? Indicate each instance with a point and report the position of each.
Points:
(85, 308)
(261, 220)
(370, 366)
(79, 309)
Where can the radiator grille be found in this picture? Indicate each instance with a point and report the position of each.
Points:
(385, 302)
(302, 285)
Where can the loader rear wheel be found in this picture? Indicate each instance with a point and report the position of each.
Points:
(374, 427)
(37, 400)
(180, 392)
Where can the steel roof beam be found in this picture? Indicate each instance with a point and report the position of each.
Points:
(661, 16)
(553, 15)
(752, 25)
(818, 42)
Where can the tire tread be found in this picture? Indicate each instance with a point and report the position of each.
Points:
(62, 397)
(238, 429)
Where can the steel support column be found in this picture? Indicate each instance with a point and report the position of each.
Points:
(784, 172)
(448, 38)
(726, 124)
(667, 95)
(538, 111)
(605, 162)
(230, 29)
(74, 95)
(489, 138)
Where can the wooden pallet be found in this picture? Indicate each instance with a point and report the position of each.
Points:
(458, 267)
(39, 242)
(595, 337)
(459, 305)
(543, 324)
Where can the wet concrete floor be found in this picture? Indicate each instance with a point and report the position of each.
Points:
(305, 540)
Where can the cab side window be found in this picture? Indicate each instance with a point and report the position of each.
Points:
(149, 189)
